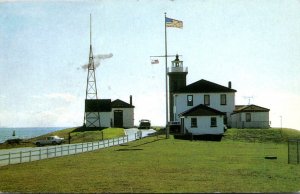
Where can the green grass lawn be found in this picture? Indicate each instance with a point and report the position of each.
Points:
(164, 165)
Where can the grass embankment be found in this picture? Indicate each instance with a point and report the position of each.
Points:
(164, 165)
(76, 137)
(272, 135)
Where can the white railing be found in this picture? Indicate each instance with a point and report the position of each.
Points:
(62, 150)
(177, 69)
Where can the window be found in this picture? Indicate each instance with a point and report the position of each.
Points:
(213, 121)
(190, 100)
(193, 122)
(206, 100)
(225, 120)
(248, 117)
(223, 99)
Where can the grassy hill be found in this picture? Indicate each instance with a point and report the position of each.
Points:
(76, 137)
(236, 164)
(276, 135)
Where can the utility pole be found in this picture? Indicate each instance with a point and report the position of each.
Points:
(166, 79)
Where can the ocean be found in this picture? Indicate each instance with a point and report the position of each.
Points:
(25, 132)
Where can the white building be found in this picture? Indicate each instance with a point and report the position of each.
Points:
(197, 107)
(250, 116)
(202, 120)
(115, 113)
(199, 96)
(213, 95)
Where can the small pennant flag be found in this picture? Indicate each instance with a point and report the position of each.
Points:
(173, 23)
(155, 61)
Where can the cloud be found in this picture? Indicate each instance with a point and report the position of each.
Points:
(61, 96)
(97, 59)
(56, 96)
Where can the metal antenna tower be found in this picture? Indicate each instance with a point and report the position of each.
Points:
(91, 87)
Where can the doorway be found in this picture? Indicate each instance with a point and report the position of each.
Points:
(118, 118)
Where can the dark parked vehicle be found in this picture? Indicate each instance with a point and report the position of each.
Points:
(145, 124)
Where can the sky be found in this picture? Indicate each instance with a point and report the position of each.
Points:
(44, 44)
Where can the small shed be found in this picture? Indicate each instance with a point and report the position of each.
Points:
(202, 120)
(250, 116)
(115, 113)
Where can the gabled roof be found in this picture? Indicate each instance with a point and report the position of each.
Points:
(104, 105)
(204, 86)
(249, 108)
(201, 110)
(97, 105)
(120, 104)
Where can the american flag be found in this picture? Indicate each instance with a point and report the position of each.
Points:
(155, 61)
(173, 23)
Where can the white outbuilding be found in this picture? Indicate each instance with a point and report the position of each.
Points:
(115, 113)
(250, 116)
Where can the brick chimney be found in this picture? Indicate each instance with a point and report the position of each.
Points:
(229, 84)
(130, 100)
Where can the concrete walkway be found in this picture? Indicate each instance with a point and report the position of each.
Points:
(145, 132)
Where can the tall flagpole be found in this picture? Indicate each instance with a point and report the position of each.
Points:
(166, 63)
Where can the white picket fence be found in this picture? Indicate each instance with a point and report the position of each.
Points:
(61, 150)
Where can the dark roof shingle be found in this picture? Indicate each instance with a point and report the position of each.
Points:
(97, 105)
(120, 104)
(249, 108)
(204, 86)
(201, 110)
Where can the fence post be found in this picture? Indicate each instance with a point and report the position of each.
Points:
(40, 157)
(298, 152)
(123, 139)
(30, 156)
(21, 155)
(9, 158)
(288, 151)
(55, 152)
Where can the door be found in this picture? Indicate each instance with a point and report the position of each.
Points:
(182, 126)
(118, 118)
